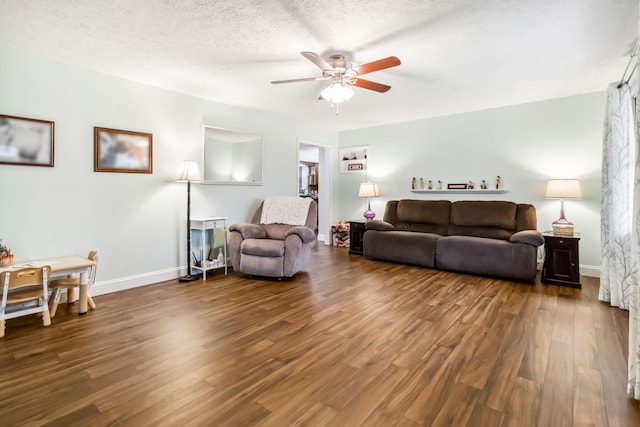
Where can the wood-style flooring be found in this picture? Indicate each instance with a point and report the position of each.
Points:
(349, 342)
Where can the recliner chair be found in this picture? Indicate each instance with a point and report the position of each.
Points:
(274, 249)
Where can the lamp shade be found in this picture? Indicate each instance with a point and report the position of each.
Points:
(368, 189)
(189, 171)
(563, 189)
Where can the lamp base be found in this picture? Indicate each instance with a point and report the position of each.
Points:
(369, 215)
(188, 278)
(562, 227)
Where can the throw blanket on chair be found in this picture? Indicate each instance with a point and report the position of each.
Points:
(285, 210)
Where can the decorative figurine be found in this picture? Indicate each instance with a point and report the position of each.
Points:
(498, 182)
(439, 185)
(430, 185)
(413, 183)
(421, 184)
(483, 185)
(470, 185)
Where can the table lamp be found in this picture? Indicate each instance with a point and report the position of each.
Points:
(563, 189)
(189, 171)
(369, 189)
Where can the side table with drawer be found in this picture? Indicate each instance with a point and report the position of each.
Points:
(561, 260)
(356, 234)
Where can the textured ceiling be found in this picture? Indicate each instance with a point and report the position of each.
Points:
(457, 55)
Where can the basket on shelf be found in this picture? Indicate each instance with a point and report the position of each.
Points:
(340, 233)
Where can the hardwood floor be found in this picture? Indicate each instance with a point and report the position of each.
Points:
(350, 342)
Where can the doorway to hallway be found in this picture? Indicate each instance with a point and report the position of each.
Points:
(314, 181)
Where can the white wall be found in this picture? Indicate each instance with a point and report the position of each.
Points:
(309, 153)
(524, 144)
(137, 222)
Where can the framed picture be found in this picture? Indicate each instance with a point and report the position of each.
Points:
(122, 151)
(26, 141)
(353, 159)
(456, 186)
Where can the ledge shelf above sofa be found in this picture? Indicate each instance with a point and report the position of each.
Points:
(478, 190)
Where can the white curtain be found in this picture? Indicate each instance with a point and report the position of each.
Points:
(618, 269)
(633, 387)
(620, 216)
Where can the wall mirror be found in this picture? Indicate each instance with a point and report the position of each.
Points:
(232, 157)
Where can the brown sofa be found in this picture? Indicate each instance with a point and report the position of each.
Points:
(489, 238)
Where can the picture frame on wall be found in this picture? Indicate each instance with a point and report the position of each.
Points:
(27, 142)
(457, 186)
(125, 151)
(353, 159)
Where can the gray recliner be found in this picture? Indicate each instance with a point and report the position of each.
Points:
(272, 250)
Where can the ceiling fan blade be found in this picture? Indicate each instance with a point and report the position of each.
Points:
(380, 64)
(306, 79)
(317, 59)
(368, 84)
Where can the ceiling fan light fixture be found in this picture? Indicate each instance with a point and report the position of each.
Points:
(337, 93)
(342, 75)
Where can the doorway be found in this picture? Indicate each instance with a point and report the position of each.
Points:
(314, 181)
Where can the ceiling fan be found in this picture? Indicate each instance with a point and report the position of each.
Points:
(341, 75)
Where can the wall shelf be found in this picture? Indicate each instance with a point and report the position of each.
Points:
(476, 191)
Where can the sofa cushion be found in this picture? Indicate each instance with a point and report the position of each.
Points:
(400, 246)
(495, 220)
(526, 217)
(276, 231)
(424, 216)
(489, 257)
(262, 247)
(477, 213)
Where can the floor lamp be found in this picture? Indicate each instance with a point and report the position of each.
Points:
(189, 171)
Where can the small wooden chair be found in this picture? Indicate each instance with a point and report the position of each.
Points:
(70, 283)
(21, 289)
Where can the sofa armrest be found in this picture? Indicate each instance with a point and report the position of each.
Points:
(306, 234)
(378, 224)
(249, 231)
(530, 237)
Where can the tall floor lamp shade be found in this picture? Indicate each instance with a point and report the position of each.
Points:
(189, 171)
(563, 189)
(368, 190)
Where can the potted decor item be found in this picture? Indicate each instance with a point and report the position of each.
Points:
(6, 257)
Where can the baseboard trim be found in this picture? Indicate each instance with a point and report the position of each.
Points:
(136, 281)
(590, 270)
